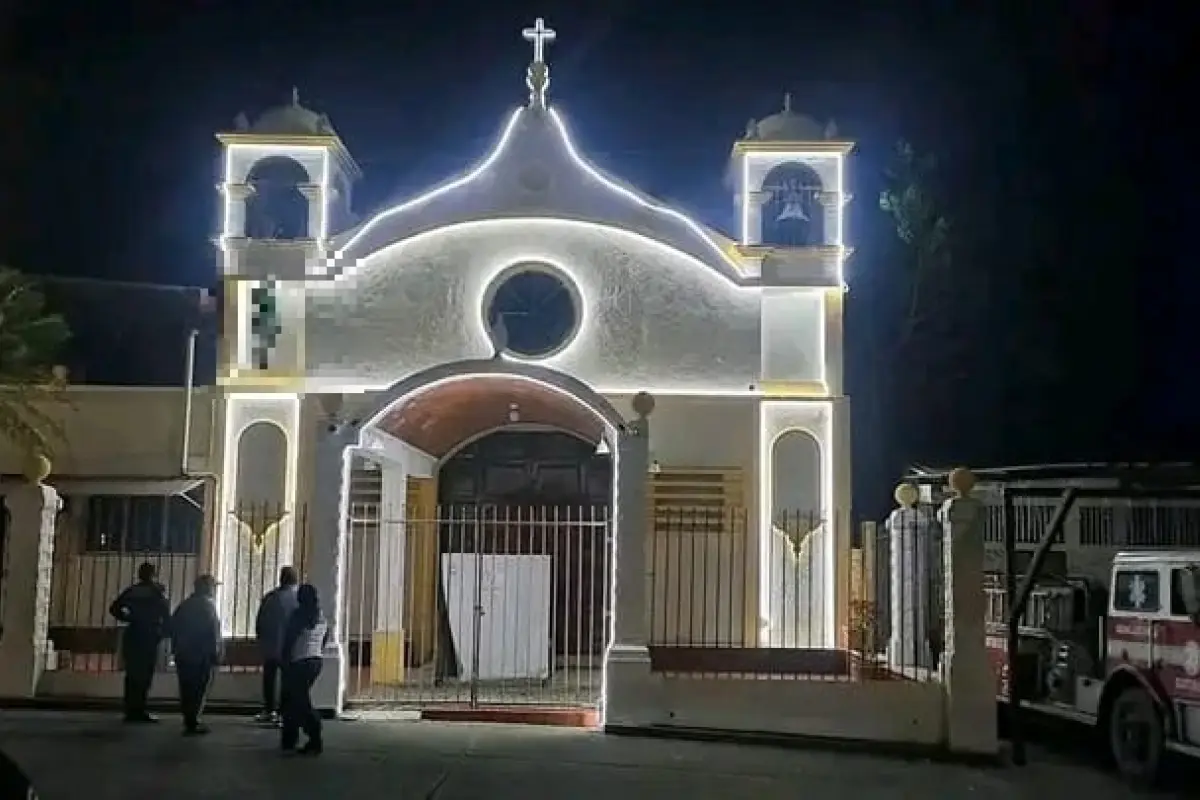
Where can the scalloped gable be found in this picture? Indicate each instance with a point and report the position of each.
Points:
(533, 171)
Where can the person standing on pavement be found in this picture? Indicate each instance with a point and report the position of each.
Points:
(273, 614)
(197, 644)
(304, 643)
(146, 611)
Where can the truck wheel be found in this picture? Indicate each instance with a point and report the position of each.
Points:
(1136, 737)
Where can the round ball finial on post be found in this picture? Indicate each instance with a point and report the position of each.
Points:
(906, 495)
(37, 469)
(962, 481)
(643, 404)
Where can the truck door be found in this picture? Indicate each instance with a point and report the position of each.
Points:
(1177, 662)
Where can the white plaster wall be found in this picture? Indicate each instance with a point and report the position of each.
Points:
(653, 318)
(227, 687)
(881, 711)
(129, 432)
(793, 334)
(709, 432)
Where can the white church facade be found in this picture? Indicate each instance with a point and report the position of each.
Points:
(537, 439)
(530, 296)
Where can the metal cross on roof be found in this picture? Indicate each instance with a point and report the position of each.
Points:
(540, 35)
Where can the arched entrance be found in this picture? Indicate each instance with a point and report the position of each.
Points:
(478, 535)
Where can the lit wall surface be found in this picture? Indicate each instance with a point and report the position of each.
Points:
(651, 316)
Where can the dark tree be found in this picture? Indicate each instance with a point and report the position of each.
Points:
(30, 341)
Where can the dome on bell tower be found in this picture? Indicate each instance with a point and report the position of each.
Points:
(788, 126)
(292, 119)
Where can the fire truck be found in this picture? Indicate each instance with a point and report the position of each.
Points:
(1120, 656)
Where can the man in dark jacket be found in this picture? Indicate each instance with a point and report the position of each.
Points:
(145, 610)
(197, 645)
(273, 613)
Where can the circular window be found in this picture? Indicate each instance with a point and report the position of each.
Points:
(532, 311)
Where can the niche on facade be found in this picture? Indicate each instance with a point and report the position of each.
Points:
(796, 484)
(261, 480)
(792, 215)
(277, 209)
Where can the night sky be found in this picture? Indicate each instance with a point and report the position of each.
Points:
(1058, 125)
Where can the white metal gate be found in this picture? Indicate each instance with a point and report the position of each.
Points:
(477, 604)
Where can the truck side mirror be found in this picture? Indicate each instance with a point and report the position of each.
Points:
(1190, 589)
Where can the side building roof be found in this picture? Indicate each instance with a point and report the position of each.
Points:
(134, 334)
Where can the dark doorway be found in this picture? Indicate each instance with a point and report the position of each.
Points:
(534, 493)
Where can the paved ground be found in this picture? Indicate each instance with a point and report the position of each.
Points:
(88, 756)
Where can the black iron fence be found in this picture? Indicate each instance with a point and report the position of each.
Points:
(477, 604)
(730, 597)
(725, 595)
(84, 636)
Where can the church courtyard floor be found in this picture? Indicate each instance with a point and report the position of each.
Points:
(78, 756)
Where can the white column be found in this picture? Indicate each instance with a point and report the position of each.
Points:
(316, 208)
(628, 679)
(236, 195)
(32, 509)
(387, 645)
(970, 685)
(910, 539)
(754, 220)
(327, 553)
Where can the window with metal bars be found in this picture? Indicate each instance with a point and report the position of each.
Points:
(144, 523)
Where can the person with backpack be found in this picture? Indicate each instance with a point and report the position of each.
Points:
(273, 614)
(146, 612)
(304, 641)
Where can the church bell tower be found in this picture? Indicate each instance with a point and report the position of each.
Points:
(788, 179)
(284, 190)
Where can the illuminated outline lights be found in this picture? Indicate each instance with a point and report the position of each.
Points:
(590, 299)
(839, 233)
(332, 263)
(296, 152)
(611, 434)
(567, 285)
(775, 421)
(236, 423)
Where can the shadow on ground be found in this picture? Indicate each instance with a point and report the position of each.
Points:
(86, 755)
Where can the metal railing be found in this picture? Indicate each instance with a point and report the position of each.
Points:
(728, 600)
(477, 604)
(85, 581)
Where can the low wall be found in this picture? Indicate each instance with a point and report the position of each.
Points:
(228, 687)
(895, 712)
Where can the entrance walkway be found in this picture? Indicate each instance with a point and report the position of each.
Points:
(73, 756)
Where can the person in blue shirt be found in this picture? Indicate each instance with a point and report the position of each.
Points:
(304, 641)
